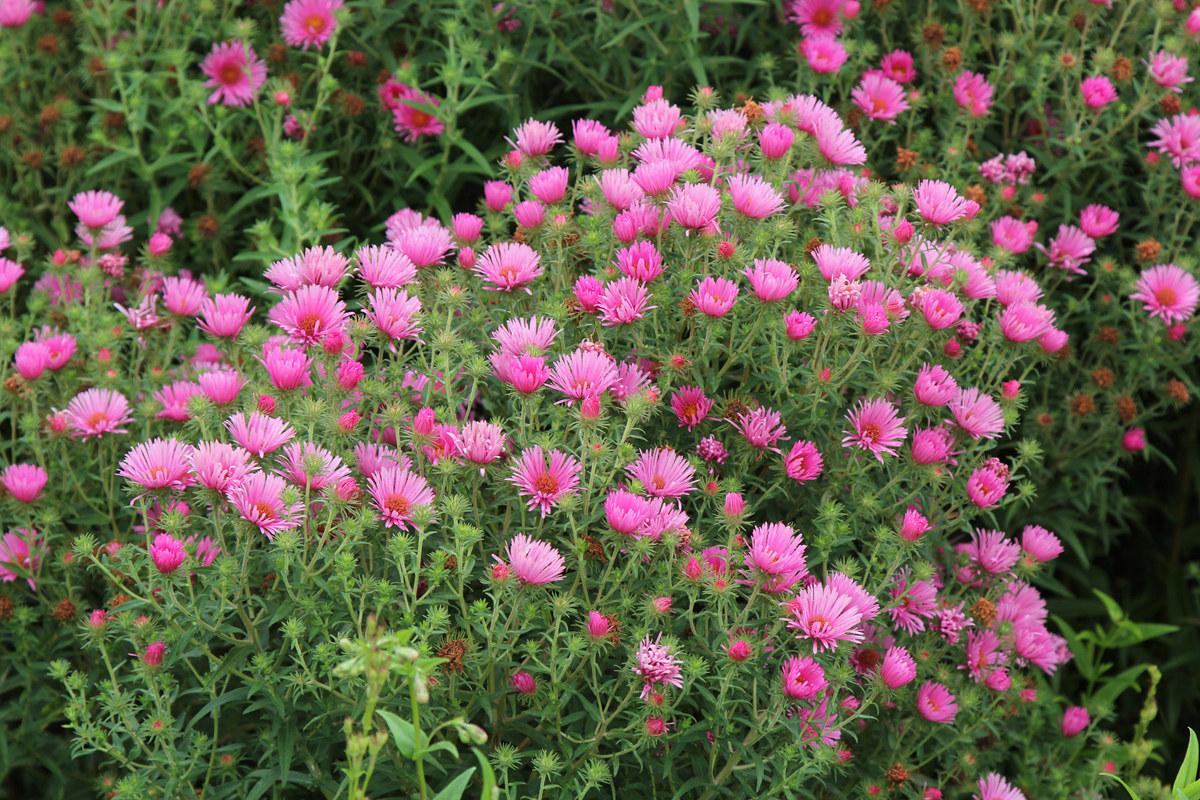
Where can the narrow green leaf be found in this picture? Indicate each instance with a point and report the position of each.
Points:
(1132, 793)
(402, 732)
(1191, 760)
(454, 790)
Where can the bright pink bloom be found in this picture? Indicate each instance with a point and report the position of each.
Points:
(771, 279)
(880, 97)
(1097, 91)
(1168, 70)
(508, 266)
(167, 553)
(410, 120)
(694, 205)
(259, 433)
(1097, 220)
(15, 13)
(776, 557)
(395, 314)
(714, 296)
(545, 484)
(1040, 544)
(32, 359)
(915, 601)
(481, 442)
(259, 499)
(1069, 249)
(158, 464)
(175, 397)
(549, 185)
(225, 315)
(825, 616)
(941, 308)
(658, 119)
(497, 195)
(973, 93)
(1016, 287)
(588, 134)
(877, 427)
(993, 552)
(803, 678)
(1025, 321)
(529, 213)
(384, 267)
(640, 260)
(624, 301)
(738, 650)
(938, 202)
(221, 386)
(934, 386)
(992, 786)
(803, 462)
(834, 262)
(1134, 440)
(656, 664)
(775, 140)
(597, 625)
(308, 22)
(977, 414)
(761, 427)
(532, 562)
(523, 682)
(96, 209)
(932, 445)
(898, 65)
(532, 336)
(311, 466)
(218, 466)
(799, 324)
(1179, 137)
(534, 138)
(1012, 234)
(95, 412)
(663, 473)
(753, 197)
(287, 368)
(837, 143)
(914, 523)
(184, 296)
(309, 314)
(397, 493)
(1168, 292)
(936, 704)
(1074, 720)
(24, 481)
(423, 244)
(235, 73)
(626, 512)
(986, 487)
(21, 548)
(816, 17)
(691, 406)
(898, 668)
(824, 54)
(619, 189)
(583, 373)
(10, 271)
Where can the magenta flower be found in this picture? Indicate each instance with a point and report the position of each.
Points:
(753, 197)
(153, 654)
(898, 668)
(24, 481)
(658, 119)
(691, 406)
(1074, 720)
(776, 557)
(936, 704)
(824, 54)
(934, 386)
(973, 93)
(583, 373)
(219, 466)
(694, 205)
(531, 336)
(311, 466)
(816, 17)
(938, 202)
(384, 267)
(714, 296)
(288, 369)
(534, 563)
(987, 486)
(410, 121)
(1069, 249)
(167, 553)
(941, 308)
(835, 262)
(762, 428)
(96, 209)
(95, 412)
(1025, 321)
(545, 484)
(235, 73)
(992, 786)
(1097, 91)
(21, 548)
(1168, 292)
(771, 279)
(1040, 544)
(259, 499)
(624, 301)
(309, 314)
(663, 473)
(10, 272)
(880, 97)
(259, 433)
(315, 266)
(175, 397)
(803, 462)
(308, 22)
(225, 315)
(424, 244)
(508, 266)
(395, 314)
(656, 664)
(993, 552)
(158, 464)
(397, 492)
(184, 296)
(523, 682)
(1015, 287)
(626, 512)
(877, 427)
(640, 260)
(799, 324)
(824, 616)
(898, 65)
(1012, 234)
(1097, 220)
(915, 601)
(534, 138)
(775, 140)
(1168, 70)
(481, 442)
(803, 678)
(837, 143)
(31, 360)
(977, 414)
(221, 386)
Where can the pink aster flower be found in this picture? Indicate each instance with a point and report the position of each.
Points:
(167, 553)
(658, 119)
(936, 704)
(824, 54)
(583, 373)
(663, 473)
(314, 266)
(880, 97)
(545, 484)
(977, 414)
(1074, 720)
(898, 65)
(640, 260)
(1096, 220)
(799, 324)
(992, 786)
(771, 279)
(934, 386)
(534, 138)
(691, 406)
(803, 462)
(481, 442)
(656, 664)
(184, 296)
(158, 464)
(15, 13)
(803, 678)
(219, 466)
(775, 557)
(714, 297)
(775, 140)
(619, 188)
(1012, 234)
(258, 497)
(235, 72)
(1069, 249)
(534, 563)
(694, 205)
(309, 314)
(23, 549)
(1040, 544)
(308, 22)
(424, 244)
(1168, 292)
(626, 512)
(10, 272)
(24, 481)
(973, 93)
(508, 266)
(221, 386)
(225, 315)
(397, 492)
(412, 121)
(96, 209)
(1179, 137)
(1016, 287)
(1097, 91)
(532, 336)
(31, 360)
(311, 466)
(259, 433)
(898, 668)
(1168, 70)
(825, 616)
(940, 307)
(914, 602)
(753, 196)
(395, 314)
(95, 412)
(987, 486)
(549, 185)
(624, 301)
(877, 427)
(835, 262)
(816, 17)
(288, 369)
(993, 552)
(932, 445)
(938, 202)
(762, 428)
(174, 398)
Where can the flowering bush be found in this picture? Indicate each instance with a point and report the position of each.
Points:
(692, 457)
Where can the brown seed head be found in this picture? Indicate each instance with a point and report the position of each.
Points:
(71, 157)
(1127, 410)
(984, 612)
(896, 774)
(1177, 391)
(975, 192)
(277, 53)
(6, 607)
(952, 58)
(1121, 69)
(64, 612)
(453, 651)
(207, 226)
(1148, 249)
(1082, 405)
(933, 35)
(1104, 377)
(905, 159)
(1108, 335)
(48, 43)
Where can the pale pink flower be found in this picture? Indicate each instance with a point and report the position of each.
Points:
(1179, 137)
(624, 301)
(775, 557)
(508, 266)
(221, 386)
(481, 442)
(235, 73)
(992, 786)
(583, 373)
(225, 315)
(96, 209)
(714, 297)
(825, 616)
(158, 464)
(184, 296)
(24, 481)
(938, 202)
(311, 466)
(753, 197)
(95, 412)
(771, 279)
(534, 138)
(1169, 70)
(397, 492)
(219, 466)
(977, 414)
(532, 562)
(824, 54)
(837, 143)
(656, 664)
(658, 119)
(836, 262)
(880, 97)
(395, 314)
(1016, 287)
(259, 433)
(694, 205)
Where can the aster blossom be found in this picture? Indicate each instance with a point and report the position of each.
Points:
(803, 678)
(235, 73)
(775, 557)
(532, 562)
(508, 266)
(308, 22)
(824, 616)
(259, 499)
(24, 481)
(544, 482)
(158, 464)
(656, 664)
(877, 427)
(977, 414)
(762, 428)
(1168, 292)
(397, 492)
(96, 412)
(663, 473)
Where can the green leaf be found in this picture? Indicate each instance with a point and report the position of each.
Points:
(454, 790)
(1114, 686)
(490, 790)
(1191, 760)
(1132, 793)
(1110, 605)
(402, 733)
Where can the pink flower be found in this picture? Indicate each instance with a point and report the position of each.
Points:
(481, 442)
(545, 484)
(536, 138)
(1178, 136)
(898, 65)
(259, 499)
(597, 625)
(803, 462)
(1025, 321)
(497, 195)
(158, 464)
(993, 552)
(1168, 70)
(656, 664)
(1074, 720)
(938, 202)
(662, 473)
(309, 314)
(384, 267)
(824, 54)
(1097, 91)
(624, 301)
(259, 433)
(583, 373)
(694, 205)
(10, 272)
(838, 143)
(1134, 440)
(658, 119)
(898, 668)
(24, 481)
(95, 412)
(691, 406)
(934, 386)
(762, 428)
(877, 427)
(738, 650)
(423, 244)
(992, 786)
(412, 121)
(776, 555)
(1097, 220)
(880, 97)
(1012, 234)
(657, 726)
(529, 213)
(235, 72)
(977, 414)
(816, 17)
(550, 185)
(221, 386)
(803, 678)
(1016, 287)
(225, 315)
(175, 397)
(523, 682)
(640, 261)
(825, 616)
(534, 563)
(397, 493)
(32, 359)
(1168, 292)
(15, 13)
(771, 279)
(941, 308)
(915, 602)
(936, 704)
(626, 512)
(308, 22)
(973, 93)
(167, 553)
(154, 653)
(986, 487)
(311, 466)
(508, 266)
(96, 209)
(21, 548)
(753, 197)
(588, 134)
(799, 324)
(835, 262)
(395, 314)
(218, 466)
(775, 140)
(1070, 249)
(914, 523)
(288, 369)
(932, 445)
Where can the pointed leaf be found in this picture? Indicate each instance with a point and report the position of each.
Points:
(454, 790)
(403, 733)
